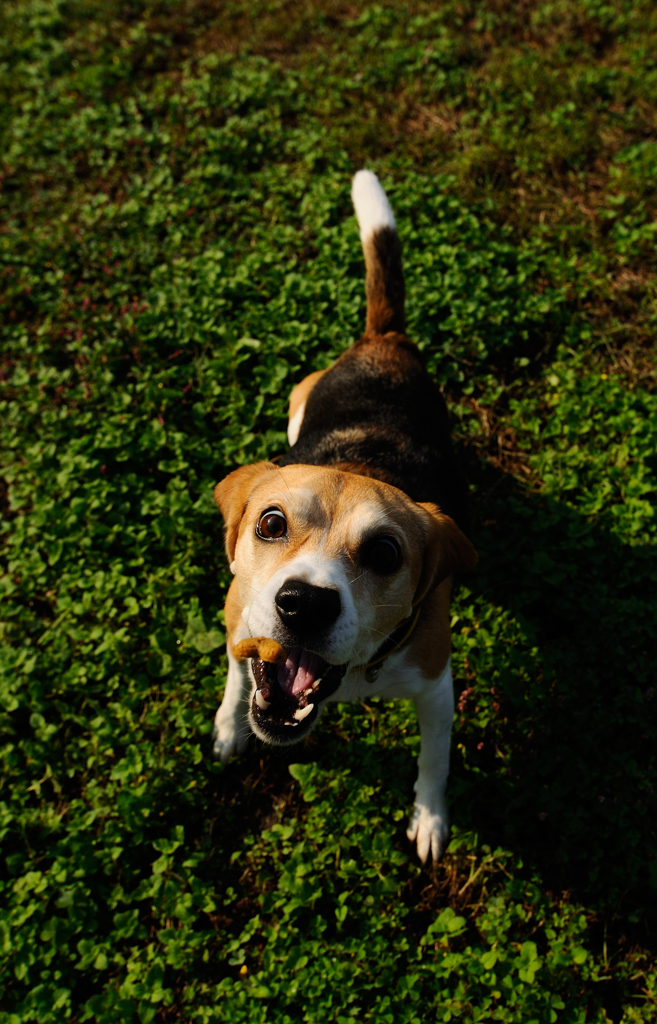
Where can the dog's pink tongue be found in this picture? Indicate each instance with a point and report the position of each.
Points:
(300, 671)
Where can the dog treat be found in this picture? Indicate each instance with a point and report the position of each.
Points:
(262, 647)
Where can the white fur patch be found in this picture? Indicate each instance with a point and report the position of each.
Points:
(294, 426)
(371, 205)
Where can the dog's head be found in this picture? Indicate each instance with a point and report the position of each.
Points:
(327, 563)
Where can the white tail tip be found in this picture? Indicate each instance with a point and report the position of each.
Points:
(371, 205)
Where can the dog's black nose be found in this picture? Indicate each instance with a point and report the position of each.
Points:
(306, 609)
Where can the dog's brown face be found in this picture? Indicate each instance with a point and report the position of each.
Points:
(327, 563)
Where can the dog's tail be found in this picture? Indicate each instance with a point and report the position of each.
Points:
(384, 280)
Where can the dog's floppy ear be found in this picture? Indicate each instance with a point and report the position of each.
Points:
(447, 550)
(232, 494)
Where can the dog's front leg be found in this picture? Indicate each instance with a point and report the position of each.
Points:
(435, 711)
(231, 725)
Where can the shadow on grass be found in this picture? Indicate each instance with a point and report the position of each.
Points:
(576, 796)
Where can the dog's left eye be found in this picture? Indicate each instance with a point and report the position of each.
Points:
(271, 525)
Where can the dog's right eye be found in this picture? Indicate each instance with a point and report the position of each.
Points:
(382, 555)
(271, 525)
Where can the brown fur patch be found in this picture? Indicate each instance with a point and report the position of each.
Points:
(362, 469)
(384, 283)
(232, 494)
(448, 550)
(299, 394)
(389, 351)
(431, 644)
(233, 608)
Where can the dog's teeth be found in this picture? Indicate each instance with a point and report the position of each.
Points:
(316, 684)
(290, 723)
(260, 701)
(302, 713)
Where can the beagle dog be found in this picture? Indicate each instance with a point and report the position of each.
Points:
(343, 549)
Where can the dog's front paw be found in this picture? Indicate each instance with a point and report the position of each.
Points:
(229, 736)
(428, 830)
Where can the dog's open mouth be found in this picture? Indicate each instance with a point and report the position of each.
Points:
(286, 702)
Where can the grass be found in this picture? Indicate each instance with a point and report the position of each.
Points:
(177, 249)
